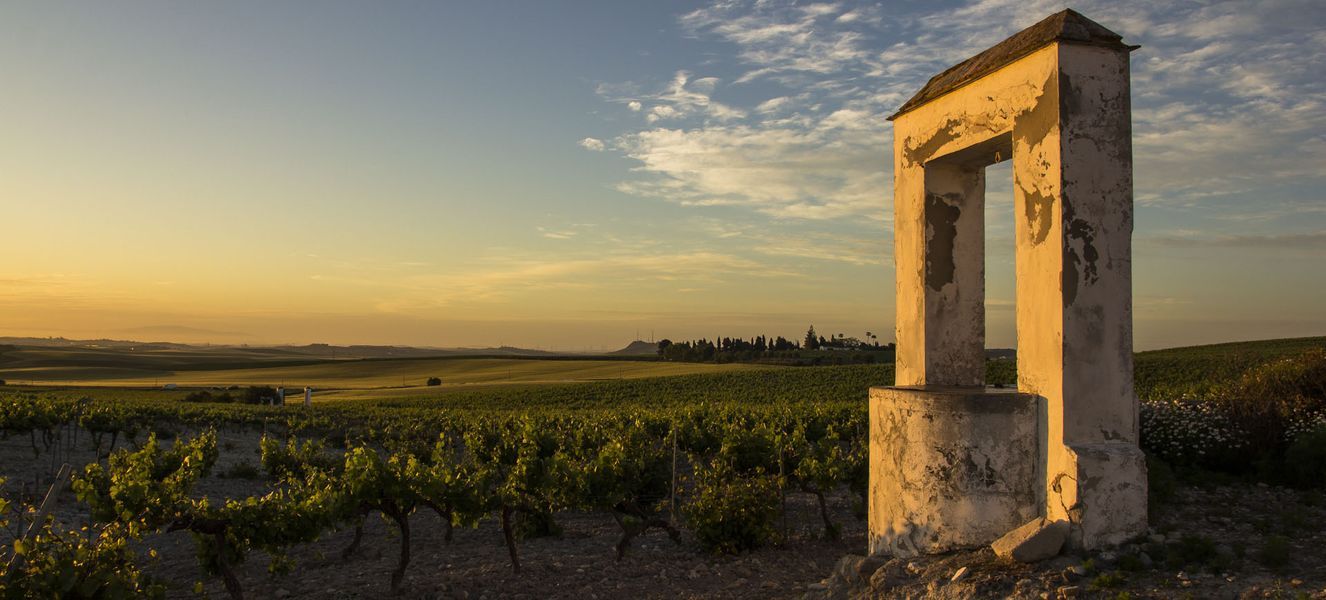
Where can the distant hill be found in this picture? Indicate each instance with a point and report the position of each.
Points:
(59, 342)
(306, 351)
(638, 348)
(182, 333)
(365, 351)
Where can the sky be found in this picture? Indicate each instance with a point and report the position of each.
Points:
(572, 175)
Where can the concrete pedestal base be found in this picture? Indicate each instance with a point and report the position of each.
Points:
(1102, 493)
(950, 467)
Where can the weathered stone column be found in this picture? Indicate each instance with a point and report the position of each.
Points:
(945, 282)
(1081, 361)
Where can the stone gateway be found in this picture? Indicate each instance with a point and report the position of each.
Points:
(953, 464)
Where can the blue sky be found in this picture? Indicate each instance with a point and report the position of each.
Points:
(565, 174)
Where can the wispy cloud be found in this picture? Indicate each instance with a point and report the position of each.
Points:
(590, 143)
(684, 96)
(556, 235)
(1227, 97)
(811, 173)
(59, 289)
(785, 41)
(1312, 241)
(564, 232)
(854, 251)
(505, 278)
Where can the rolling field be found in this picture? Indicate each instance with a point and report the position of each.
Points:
(490, 381)
(766, 445)
(1197, 369)
(363, 374)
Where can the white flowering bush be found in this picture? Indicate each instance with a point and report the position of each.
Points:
(1267, 420)
(1303, 422)
(1191, 431)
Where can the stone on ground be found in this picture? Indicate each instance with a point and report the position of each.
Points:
(888, 576)
(846, 581)
(871, 564)
(1037, 540)
(849, 568)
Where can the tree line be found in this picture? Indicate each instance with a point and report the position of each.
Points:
(812, 349)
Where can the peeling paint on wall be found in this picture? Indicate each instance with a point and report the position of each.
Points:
(1039, 214)
(1078, 269)
(917, 154)
(941, 233)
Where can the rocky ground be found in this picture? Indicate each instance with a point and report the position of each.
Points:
(1213, 541)
(1210, 541)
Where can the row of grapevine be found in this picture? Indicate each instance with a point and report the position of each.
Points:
(719, 470)
(46, 560)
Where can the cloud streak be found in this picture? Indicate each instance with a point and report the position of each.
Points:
(508, 278)
(1313, 241)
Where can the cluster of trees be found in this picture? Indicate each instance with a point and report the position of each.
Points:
(840, 341)
(254, 394)
(779, 349)
(705, 350)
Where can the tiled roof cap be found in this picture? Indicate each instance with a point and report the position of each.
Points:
(1066, 26)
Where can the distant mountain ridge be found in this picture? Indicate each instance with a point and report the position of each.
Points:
(637, 348)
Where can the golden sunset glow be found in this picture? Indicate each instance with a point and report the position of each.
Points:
(264, 175)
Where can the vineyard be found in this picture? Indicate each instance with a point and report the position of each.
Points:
(709, 461)
(722, 471)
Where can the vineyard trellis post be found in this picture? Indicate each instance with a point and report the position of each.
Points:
(672, 499)
(47, 504)
(782, 483)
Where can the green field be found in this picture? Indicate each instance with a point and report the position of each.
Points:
(1197, 369)
(365, 374)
